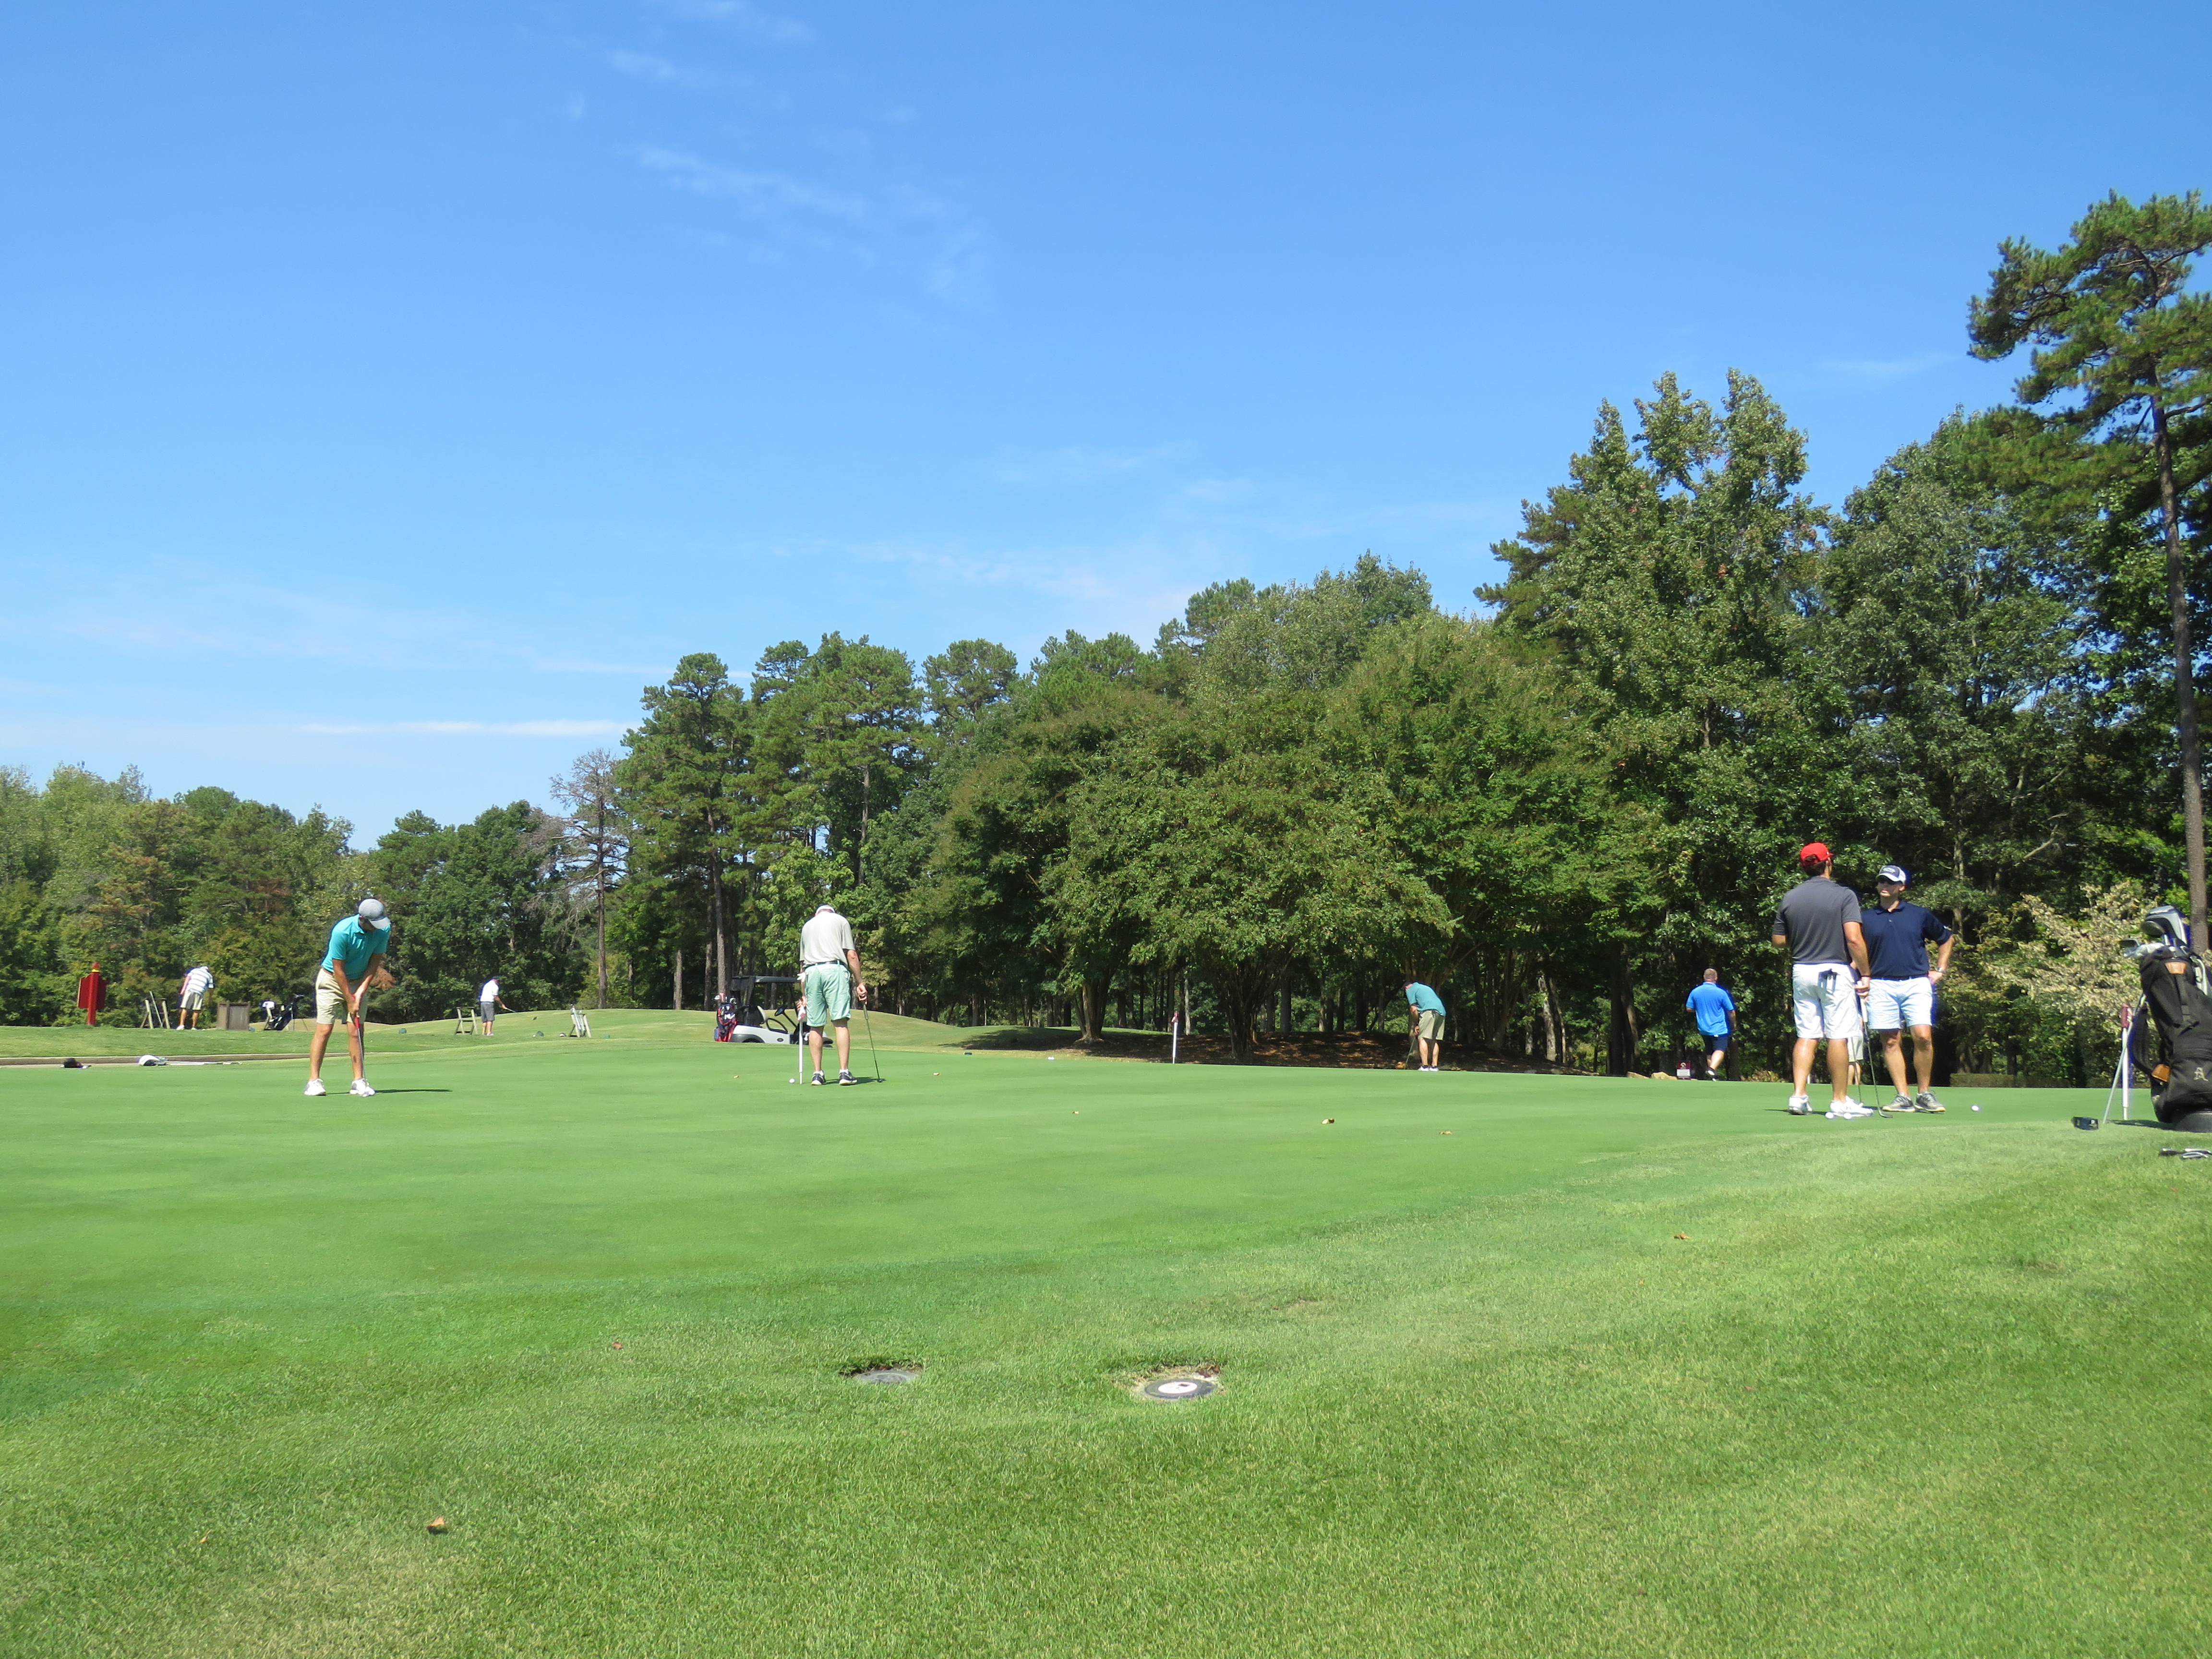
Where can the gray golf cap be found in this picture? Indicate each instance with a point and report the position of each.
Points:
(371, 912)
(1894, 873)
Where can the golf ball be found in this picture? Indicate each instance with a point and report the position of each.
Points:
(1978, 1108)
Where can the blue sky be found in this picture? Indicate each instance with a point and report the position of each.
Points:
(393, 390)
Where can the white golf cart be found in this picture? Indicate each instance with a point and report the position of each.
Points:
(741, 1017)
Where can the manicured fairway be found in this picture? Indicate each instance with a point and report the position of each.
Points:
(1923, 1386)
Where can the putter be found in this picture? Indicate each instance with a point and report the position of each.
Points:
(869, 1023)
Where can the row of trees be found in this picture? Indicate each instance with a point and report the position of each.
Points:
(1560, 808)
(95, 870)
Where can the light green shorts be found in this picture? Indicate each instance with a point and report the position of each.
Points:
(829, 993)
(1430, 1026)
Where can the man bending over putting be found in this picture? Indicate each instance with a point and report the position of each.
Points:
(1424, 1017)
(356, 950)
(830, 968)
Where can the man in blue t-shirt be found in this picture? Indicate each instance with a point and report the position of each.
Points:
(354, 956)
(1425, 1014)
(1901, 995)
(1716, 1012)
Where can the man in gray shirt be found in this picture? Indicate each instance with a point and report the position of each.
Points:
(830, 969)
(1818, 923)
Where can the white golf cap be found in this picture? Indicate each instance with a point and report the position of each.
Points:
(1893, 873)
(819, 909)
(371, 912)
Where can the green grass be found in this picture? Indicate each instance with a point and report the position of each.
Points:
(1926, 1386)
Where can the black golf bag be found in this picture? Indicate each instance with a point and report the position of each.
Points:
(2174, 1046)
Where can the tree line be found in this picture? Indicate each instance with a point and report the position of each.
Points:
(1559, 807)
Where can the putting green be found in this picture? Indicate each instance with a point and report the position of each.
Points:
(1928, 1385)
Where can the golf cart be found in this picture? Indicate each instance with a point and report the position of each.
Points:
(739, 1017)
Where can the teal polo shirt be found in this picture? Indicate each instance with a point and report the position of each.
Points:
(353, 946)
(1423, 999)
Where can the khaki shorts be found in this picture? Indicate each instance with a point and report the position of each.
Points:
(1432, 1029)
(829, 993)
(192, 1001)
(330, 1002)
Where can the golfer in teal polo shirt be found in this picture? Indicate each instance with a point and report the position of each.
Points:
(356, 950)
(1424, 1009)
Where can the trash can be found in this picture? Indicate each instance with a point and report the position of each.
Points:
(234, 1015)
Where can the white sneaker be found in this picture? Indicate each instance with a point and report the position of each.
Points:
(361, 1087)
(1849, 1108)
(1799, 1106)
(314, 1087)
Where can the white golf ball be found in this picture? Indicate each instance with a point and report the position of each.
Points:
(1978, 1108)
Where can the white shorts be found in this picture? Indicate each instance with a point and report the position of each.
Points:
(1823, 996)
(192, 1001)
(1896, 1005)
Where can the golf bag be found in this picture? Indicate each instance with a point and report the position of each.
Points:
(2173, 1045)
(726, 1011)
(275, 1016)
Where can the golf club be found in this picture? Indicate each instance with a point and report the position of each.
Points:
(868, 1024)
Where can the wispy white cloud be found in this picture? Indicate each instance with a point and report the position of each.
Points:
(895, 225)
(745, 18)
(1076, 465)
(1883, 371)
(1187, 536)
(655, 71)
(769, 195)
(470, 728)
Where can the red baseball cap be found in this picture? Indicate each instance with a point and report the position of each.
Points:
(1814, 852)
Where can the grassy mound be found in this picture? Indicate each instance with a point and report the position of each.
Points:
(1506, 1365)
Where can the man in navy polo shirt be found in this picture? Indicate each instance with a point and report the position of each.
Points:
(1902, 995)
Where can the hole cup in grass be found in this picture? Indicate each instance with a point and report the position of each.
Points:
(1169, 1384)
(881, 1370)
